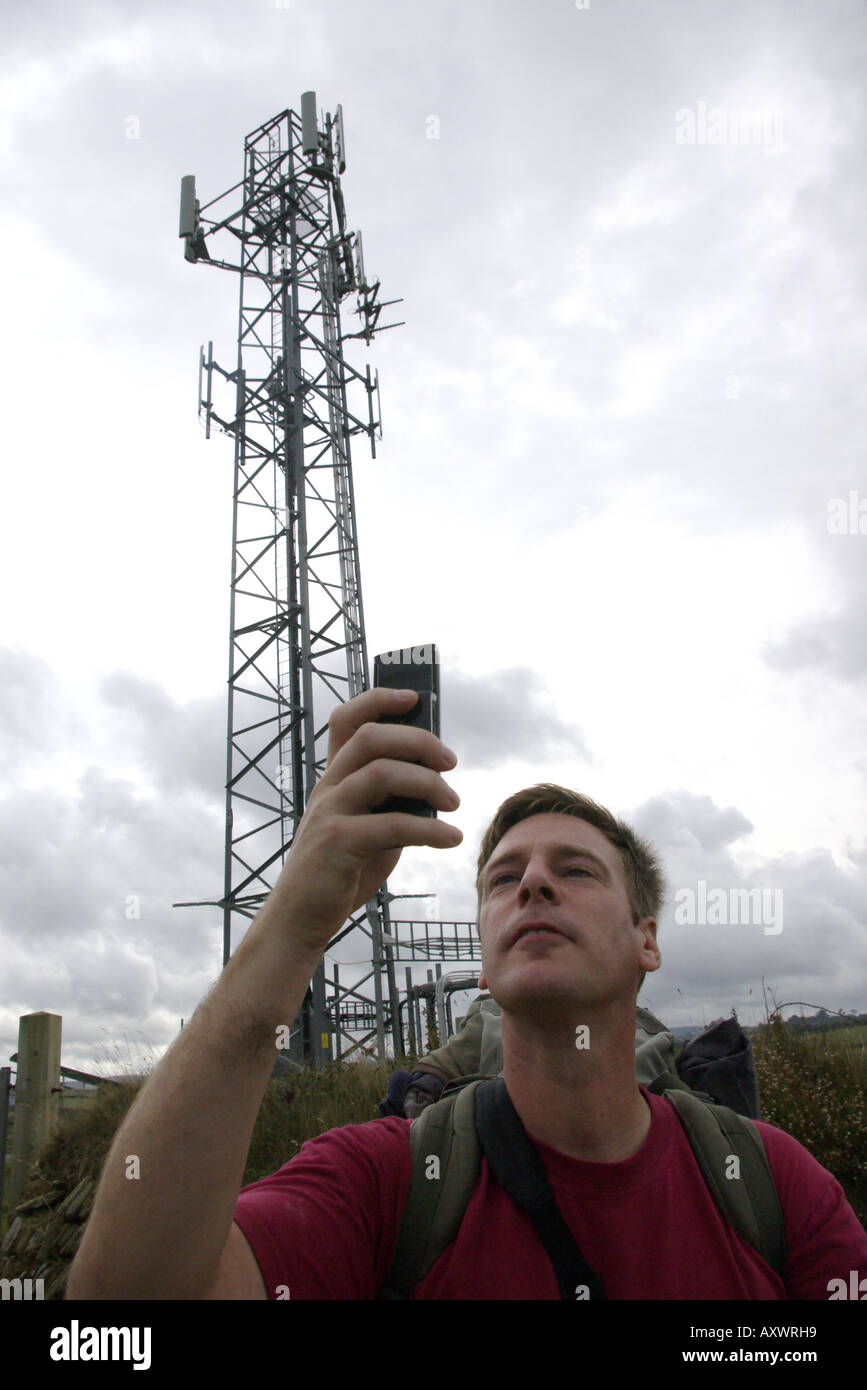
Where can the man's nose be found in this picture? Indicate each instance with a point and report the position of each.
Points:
(537, 883)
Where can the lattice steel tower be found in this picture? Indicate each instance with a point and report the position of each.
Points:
(297, 641)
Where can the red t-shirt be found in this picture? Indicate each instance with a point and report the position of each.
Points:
(324, 1226)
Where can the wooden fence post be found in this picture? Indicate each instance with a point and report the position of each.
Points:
(37, 1094)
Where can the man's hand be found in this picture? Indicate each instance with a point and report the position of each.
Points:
(343, 852)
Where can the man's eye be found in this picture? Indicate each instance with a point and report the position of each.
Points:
(501, 878)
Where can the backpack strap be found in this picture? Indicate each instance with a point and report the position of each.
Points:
(446, 1130)
(667, 1081)
(748, 1200)
(438, 1191)
(456, 1131)
(517, 1167)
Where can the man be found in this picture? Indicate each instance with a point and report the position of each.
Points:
(565, 937)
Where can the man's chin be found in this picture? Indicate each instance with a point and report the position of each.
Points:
(548, 1001)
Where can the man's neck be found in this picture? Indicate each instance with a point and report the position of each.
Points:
(583, 1101)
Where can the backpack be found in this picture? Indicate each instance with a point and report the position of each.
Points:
(475, 1115)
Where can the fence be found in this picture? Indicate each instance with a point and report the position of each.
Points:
(38, 1093)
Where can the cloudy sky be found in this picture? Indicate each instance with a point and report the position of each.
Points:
(619, 483)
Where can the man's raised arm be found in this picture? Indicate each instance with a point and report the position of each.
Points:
(168, 1233)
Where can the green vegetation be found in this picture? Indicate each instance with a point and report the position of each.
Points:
(306, 1103)
(814, 1086)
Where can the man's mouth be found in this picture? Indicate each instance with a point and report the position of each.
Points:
(536, 929)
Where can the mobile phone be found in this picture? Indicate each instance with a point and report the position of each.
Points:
(411, 668)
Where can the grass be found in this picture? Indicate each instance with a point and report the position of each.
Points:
(814, 1086)
(851, 1039)
(306, 1103)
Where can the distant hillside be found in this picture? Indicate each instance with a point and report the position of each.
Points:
(822, 1019)
(818, 1022)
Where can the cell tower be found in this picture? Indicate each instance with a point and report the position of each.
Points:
(297, 641)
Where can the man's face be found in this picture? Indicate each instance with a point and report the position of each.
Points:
(559, 870)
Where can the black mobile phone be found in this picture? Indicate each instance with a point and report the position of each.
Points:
(411, 668)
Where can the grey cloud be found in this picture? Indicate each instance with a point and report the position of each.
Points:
(34, 719)
(858, 855)
(682, 819)
(491, 719)
(68, 865)
(87, 927)
(815, 956)
(835, 646)
(707, 969)
(181, 746)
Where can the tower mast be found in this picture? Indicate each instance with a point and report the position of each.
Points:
(297, 643)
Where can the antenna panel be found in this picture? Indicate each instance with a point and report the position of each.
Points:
(187, 223)
(339, 142)
(309, 127)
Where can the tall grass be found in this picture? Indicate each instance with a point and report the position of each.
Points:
(303, 1104)
(814, 1086)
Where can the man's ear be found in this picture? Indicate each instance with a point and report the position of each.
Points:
(651, 955)
(483, 984)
